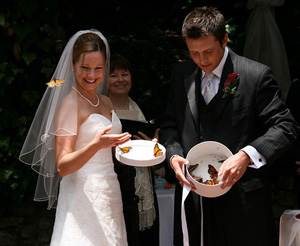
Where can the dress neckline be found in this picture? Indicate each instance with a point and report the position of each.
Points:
(112, 117)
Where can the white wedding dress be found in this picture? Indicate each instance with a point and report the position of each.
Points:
(89, 210)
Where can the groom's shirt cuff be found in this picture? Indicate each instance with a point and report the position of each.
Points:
(257, 160)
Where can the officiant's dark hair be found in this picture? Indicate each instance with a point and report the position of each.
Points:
(118, 61)
(204, 21)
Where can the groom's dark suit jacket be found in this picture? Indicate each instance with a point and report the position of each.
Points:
(255, 116)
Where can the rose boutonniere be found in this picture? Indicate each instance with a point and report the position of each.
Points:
(230, 85)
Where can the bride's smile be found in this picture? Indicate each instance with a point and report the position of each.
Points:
(90, 70)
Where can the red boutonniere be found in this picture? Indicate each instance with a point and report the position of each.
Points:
(230, 85)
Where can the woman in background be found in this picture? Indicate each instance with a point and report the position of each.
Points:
(137, 183)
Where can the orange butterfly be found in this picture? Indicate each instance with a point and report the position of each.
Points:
(55, 82)
(211, 182)
(191, 168)
(125, 149)
(157, 151)
(198, 179)
(213, 172)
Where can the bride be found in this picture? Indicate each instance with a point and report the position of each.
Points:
(70, 145)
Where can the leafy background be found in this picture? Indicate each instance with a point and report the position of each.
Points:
(33, 34)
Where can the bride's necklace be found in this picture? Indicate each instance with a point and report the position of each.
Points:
(93, 105)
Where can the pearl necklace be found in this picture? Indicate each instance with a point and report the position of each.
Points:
(93, 105)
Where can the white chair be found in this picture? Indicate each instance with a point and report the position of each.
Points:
(290, 228)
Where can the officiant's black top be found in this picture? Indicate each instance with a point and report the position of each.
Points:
(126, 176)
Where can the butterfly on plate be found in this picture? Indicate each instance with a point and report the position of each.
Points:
(157, 151)
(125, 149)
(213, 172)
(55, 82)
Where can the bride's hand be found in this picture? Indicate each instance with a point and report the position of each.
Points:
(105, 140)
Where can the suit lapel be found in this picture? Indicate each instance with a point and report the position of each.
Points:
(190, 86)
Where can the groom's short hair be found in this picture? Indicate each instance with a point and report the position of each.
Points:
(204, 21)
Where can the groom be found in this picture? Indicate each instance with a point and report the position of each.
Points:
(248, 117)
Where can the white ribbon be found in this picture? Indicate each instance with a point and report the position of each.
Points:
(185, 191)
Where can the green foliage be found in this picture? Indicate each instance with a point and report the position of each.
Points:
(23, 74)
(33, 35)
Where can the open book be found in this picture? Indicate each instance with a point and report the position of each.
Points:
(133, 126)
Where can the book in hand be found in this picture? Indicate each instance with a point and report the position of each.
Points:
(134, 126)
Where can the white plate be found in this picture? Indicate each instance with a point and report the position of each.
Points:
(141, 154)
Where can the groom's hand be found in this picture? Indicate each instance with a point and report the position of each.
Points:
(178, 164)
(233, 168)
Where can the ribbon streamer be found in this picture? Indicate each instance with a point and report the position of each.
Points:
(185, 191)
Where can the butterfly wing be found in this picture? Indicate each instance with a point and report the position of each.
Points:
(157, 151)
(125, 149)
(213, 172)
(197, 178)
(58, 82)
(51, 83)
(208, 182)
(191, 168)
